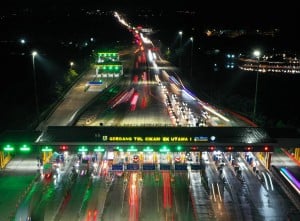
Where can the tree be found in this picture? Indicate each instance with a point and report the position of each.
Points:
(70, 76)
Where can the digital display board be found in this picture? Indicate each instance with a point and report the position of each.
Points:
(155, 139)
(197, 167)
(117, 167)
(180, 166)
(132, 166)
(149, 166)
(163, 166)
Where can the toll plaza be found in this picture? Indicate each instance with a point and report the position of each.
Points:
(148, 148)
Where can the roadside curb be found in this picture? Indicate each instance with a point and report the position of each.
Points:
(290, 156)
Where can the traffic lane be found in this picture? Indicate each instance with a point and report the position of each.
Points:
(151, 203)
(72, 209)
(27, 206)
(230, 205)
(16, 181)
(183, 205)
(223, 204)
(265, 194)
(75, 99)
(96, 199)
(201, 199)
(147, 112)
(100, 104)
(116, 204)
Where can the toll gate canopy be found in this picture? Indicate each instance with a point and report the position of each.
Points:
(254, 139)
(238, 139)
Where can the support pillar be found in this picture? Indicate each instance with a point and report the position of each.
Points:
(268, 160)
(297, 153)
(46, 156)
(154, 157)
(142, 157)
(4, 160)
(1, 160)
(200, 156)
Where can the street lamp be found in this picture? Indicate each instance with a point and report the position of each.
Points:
(256, 53)
(180, 48)
(34, 53)
(71, 64)
(192, 40)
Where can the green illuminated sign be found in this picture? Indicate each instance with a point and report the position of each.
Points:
(99, 149)
(110, 67)
(83, 149)
(8, 148)
(164, 149)
(132, 149)
(25, 148)
(179, 148)
(148, 149)
(47, 149)
(119, 149)
(107, 54)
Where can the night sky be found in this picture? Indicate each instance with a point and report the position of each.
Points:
(283, 13)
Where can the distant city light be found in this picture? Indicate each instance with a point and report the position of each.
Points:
(256, 53)
(283, 63)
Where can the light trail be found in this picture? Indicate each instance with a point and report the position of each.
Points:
(265, 179)
(213, 190)
(219, 192)
(271, 183)
(133, 198)
(291, 179)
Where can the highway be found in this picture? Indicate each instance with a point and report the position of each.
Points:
(150, 95)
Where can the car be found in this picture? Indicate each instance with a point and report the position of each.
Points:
(177, 159)
(189, 156)
(47, 171)
(135, 159)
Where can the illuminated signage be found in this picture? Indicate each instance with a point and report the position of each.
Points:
(46, 149)
(201, 139)
(154, 139)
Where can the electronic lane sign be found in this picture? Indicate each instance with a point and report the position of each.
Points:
(181, 167)
(117, 167)
(149, 167)
(197, 166)
(164, 166)
(133, 166)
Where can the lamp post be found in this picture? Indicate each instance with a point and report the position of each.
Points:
(192, 40)
(256, 53)
(34, 53)
(180, 49)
